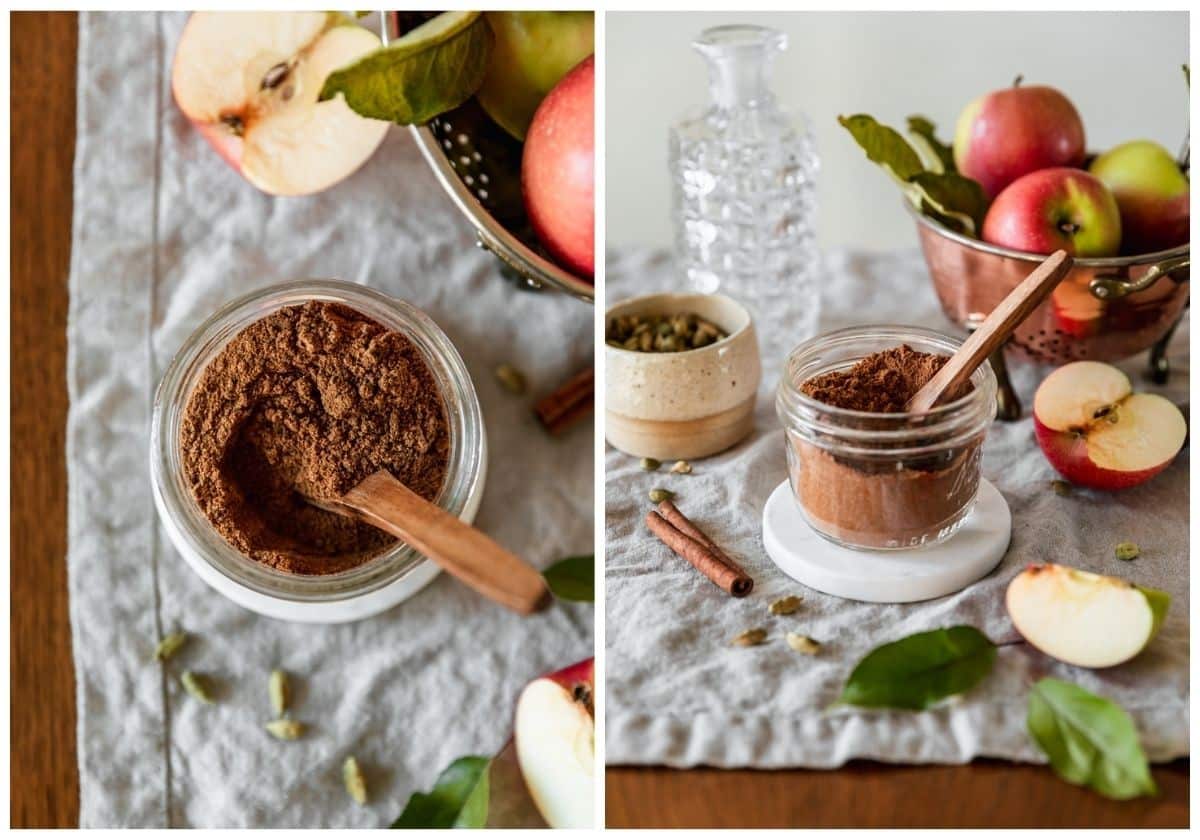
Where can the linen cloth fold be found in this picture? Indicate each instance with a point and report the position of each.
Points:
(679, 694)
(164, 233)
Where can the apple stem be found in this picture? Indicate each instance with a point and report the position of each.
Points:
(1017, 81)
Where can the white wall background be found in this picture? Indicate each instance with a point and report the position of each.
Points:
(1121, 69)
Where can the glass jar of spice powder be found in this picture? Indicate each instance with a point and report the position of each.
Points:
(387, 576)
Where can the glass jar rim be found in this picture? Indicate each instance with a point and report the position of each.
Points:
(957, 421)
(187, 522)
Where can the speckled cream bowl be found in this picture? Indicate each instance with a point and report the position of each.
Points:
(688, 404)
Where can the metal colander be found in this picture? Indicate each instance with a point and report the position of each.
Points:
(478, 164)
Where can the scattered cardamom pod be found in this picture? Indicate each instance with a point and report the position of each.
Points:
(749, 638)
(1127, 551)
(511, 379)
(681, 468)
(169, 646)
(802, 644)
(197, 686)
(785, 606)
(1062, 488)
(280, 691)
(650, 464)
(660, 495)
(356, 785)
(286, 729)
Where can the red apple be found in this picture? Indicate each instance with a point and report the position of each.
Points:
(1078, 312)
(1009, 133)
(557, 171)
(1054, 209)
(1152, 193)
(250, 81)
(555, 739)
(1097, 433)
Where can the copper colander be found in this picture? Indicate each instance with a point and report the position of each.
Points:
(478, 164)
(1104, 310)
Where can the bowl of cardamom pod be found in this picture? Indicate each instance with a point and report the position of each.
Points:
(681, 375)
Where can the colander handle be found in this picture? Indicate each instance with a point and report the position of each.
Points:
(1111, 287)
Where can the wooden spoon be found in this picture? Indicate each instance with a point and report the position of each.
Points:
(462, 550)
(993, 332)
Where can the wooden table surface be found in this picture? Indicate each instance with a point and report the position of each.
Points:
(44, 781)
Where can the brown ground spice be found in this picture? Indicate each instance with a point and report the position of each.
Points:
(882, 382)
(307, 402)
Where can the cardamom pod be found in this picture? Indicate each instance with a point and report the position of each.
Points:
(1062, 488)
(280, 692)
(785, 606)
(660, 495)
(749, 638)
(802, 644)
(651, 464)
(286, 729)
(681, 468)
(169, 646)
(511, 379)
(197, 686)
(1127, 551)
(356, 785)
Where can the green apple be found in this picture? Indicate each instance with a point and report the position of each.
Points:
(1152, 193)
(1082, 618)
(532, 51)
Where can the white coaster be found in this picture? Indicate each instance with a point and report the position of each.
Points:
(887, 577)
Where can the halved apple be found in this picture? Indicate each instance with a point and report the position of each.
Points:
(555, 737)
(249, 81)
(1081, 618)
(1098, 433)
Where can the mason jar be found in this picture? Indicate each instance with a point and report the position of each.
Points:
(385, 579)
(875, 481)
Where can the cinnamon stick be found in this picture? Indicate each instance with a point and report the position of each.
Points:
(702, 556)
(675, 516)
(570, 402)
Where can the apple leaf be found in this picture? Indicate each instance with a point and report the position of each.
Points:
(459, 799)
(573, 579)
(952, 199)
(430, 70)
(924, 132)
(1089, 740)
(918, 671)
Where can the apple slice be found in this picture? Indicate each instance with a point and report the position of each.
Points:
(1082, 618)
(250, 82)
(555, 736)
(1097, 433)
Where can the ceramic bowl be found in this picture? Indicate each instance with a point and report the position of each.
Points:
(689, 404)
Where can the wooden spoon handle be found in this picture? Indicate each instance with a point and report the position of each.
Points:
(993, 332)
(463, 551)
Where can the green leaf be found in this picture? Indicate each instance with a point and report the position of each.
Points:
(459, 799)
(938, 153)
(435, 67)
(884, 145)
(1089, 740)
(952, 199)
(918, 671)
(573, 579)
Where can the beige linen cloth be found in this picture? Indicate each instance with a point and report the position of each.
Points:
(164, 233)
(680, 694)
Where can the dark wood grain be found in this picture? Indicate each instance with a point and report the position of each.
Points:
(44, 779)
(985, 794)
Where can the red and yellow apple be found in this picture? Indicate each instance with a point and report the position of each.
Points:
(1009, 133)
(1098, 433)
(555, 739)
(249, 82)
(1082, 618)
(1152, 193)
(1054, 209)
(557, 174)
